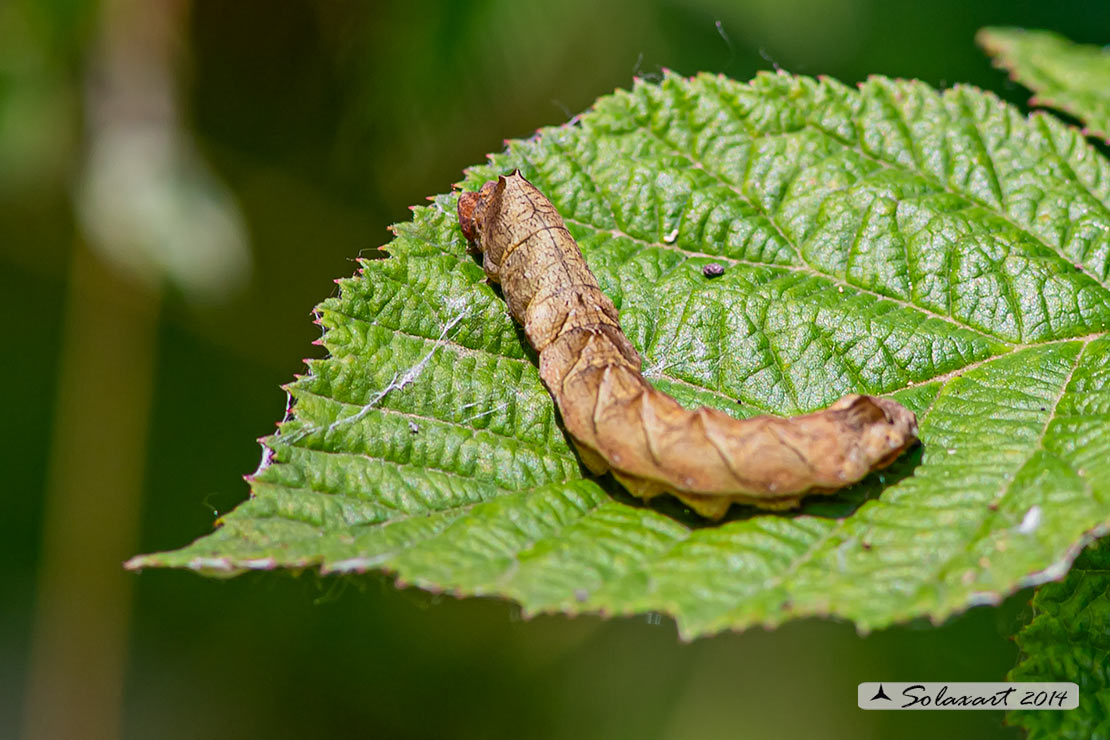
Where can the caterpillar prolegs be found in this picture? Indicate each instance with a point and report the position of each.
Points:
(618, 421)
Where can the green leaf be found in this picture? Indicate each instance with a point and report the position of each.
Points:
(1072, 77)
(1068, 639)
(937, 247)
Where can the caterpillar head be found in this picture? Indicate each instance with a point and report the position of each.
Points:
(472, 206)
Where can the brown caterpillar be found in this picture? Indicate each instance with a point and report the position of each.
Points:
(618, 421)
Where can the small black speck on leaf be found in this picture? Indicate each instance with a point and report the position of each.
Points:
(713, 269)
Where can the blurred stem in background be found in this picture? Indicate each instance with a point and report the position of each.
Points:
(151, 213)
(94, 490)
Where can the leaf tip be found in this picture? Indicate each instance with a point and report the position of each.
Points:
(135, 564)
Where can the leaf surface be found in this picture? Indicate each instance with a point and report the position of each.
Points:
(1068, 639)
(939, 248)
(1072, 77)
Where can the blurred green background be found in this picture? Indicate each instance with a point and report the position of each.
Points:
(179, 184)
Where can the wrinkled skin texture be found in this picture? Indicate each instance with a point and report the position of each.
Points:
(618, 421)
